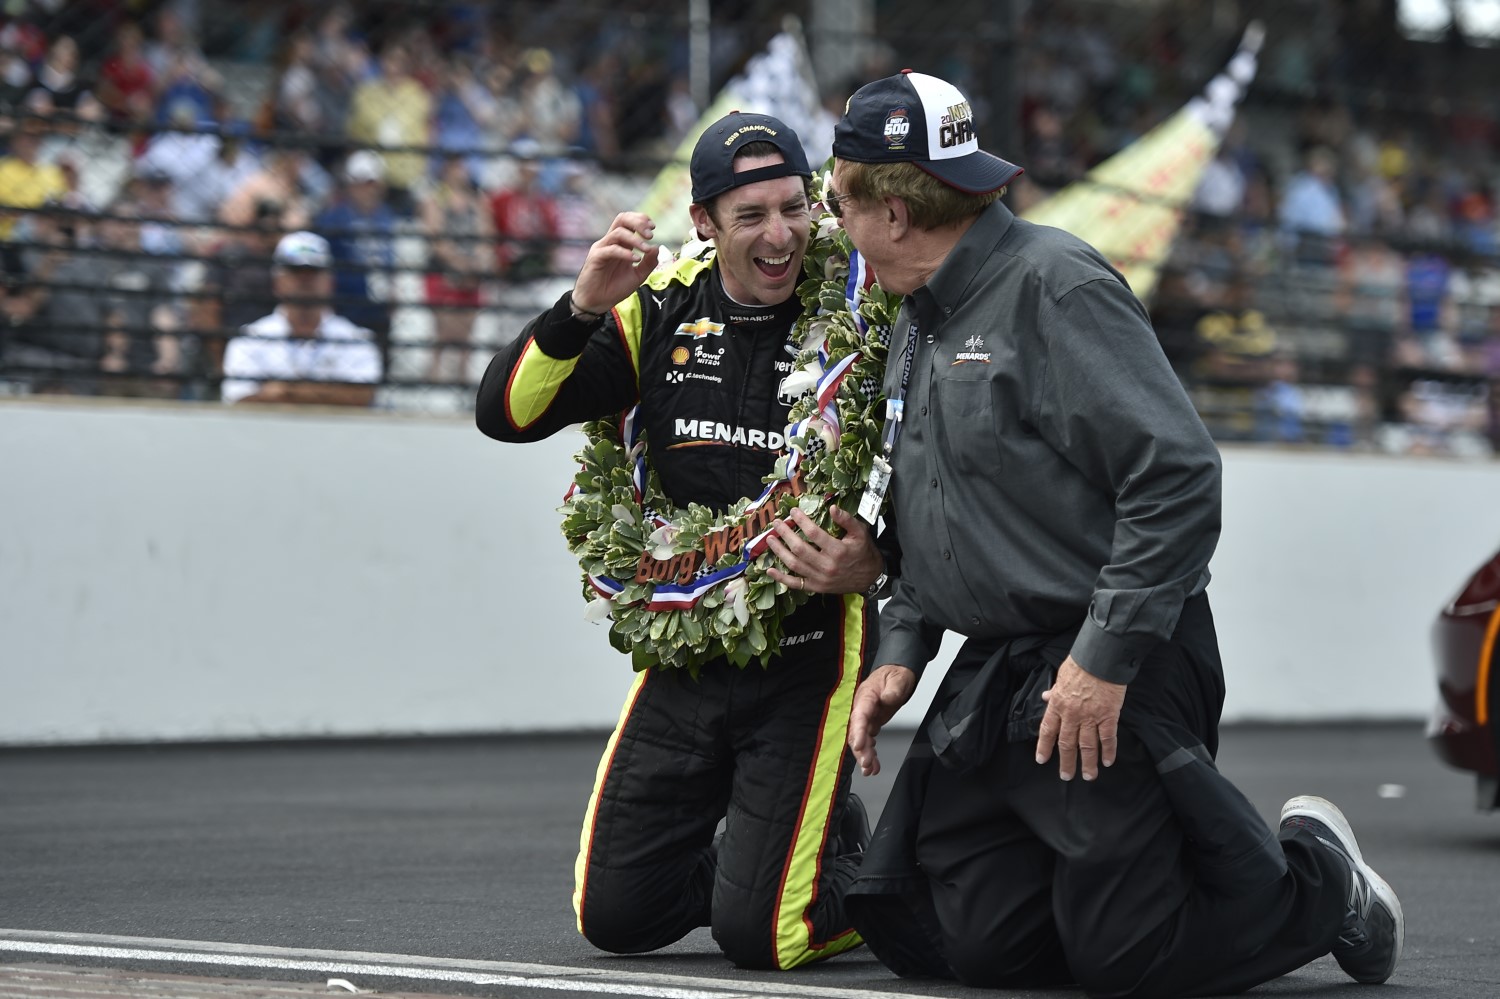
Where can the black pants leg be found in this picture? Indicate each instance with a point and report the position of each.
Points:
(764, 749)
(645, 867)
(779, 898)
(1037, 881)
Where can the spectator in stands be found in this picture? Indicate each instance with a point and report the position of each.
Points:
(16, 77)
(151, 195)
(342, 61)
(126, 81)
(596, 103)
(1474, 218)
(1311, 212)
(19, 299)
(25, 181)
(1221, 191)
(525, 216)
(552, 114)
(1475, 291)
(1430, 318)
(461, 236)
(579, 217)
(1428, 221)
(229, 165)
(55, 319)
(392, 111)
(1051, 161)
(499, 80)
(182, 154)
(1372, 298)
(288, 177)
(1374, 200)
(69, 93)
(360, 227)
(139, 315)
(187, 82)
(303, 352)
(244, 261)
(296, 105)
(680, 113)
(172, 47)
(1279, 405)
(467, 119)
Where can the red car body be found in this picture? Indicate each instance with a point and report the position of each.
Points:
(1465, 728)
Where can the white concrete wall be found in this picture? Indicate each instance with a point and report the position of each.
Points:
(171, 573)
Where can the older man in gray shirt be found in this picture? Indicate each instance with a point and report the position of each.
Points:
(1056, 500)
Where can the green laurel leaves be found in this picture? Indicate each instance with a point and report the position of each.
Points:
(609, 531)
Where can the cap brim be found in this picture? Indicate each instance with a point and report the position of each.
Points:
(978, 173)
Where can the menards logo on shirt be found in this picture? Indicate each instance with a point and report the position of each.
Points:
(700, 328)
(974, 353)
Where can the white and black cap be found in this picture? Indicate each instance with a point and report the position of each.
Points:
(916, 118)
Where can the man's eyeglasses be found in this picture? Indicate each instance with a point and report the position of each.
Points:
(834, 202)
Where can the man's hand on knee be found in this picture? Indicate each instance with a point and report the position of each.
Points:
(1082, 721)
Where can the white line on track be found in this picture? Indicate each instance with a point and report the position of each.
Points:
(414, 968)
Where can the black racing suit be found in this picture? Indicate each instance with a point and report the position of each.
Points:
(762, 748)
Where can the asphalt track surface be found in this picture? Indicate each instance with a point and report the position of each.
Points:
(445, 867)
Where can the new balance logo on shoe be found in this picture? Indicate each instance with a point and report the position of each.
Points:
(1374, 931)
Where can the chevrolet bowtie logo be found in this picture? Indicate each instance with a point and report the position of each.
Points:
(702, 328)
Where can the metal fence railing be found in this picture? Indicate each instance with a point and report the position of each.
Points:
(1335, 282)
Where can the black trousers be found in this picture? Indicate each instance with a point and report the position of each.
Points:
(1157, 879)
(763, 749)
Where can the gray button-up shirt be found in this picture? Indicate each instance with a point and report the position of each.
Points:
(1051, 472)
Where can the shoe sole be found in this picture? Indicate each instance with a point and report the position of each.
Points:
(1328, 813)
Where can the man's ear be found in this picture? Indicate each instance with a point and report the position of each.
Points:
(702, 222)
(897, 217)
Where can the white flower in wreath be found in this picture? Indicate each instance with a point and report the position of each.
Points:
(597, 610)
(815, 429)
(799, 381)
(736, 597)
(621, 512)
(817, 333)
(663, 542)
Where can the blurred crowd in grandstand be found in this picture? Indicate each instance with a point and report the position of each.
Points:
(1335, 282)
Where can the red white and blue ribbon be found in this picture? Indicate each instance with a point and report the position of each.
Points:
(860, 279)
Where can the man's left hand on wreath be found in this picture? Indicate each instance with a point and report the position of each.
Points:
(818, 562)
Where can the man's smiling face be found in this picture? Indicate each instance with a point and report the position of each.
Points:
(761, 231)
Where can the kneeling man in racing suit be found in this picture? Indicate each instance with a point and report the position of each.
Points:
(702, 346)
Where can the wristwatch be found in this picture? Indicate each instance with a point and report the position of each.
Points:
(878, 587)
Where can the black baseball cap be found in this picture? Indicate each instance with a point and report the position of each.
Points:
(916, 118)
(712, 167)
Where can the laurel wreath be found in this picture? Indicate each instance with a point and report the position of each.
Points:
(609, 530)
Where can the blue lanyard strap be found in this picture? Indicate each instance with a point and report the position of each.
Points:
(895, 405)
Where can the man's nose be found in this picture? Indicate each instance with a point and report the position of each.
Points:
(777, 230)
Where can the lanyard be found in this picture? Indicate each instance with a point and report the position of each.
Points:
(873, 500)
(895, 405)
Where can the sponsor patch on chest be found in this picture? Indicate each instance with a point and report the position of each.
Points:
(698, 329)
(973, 352)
